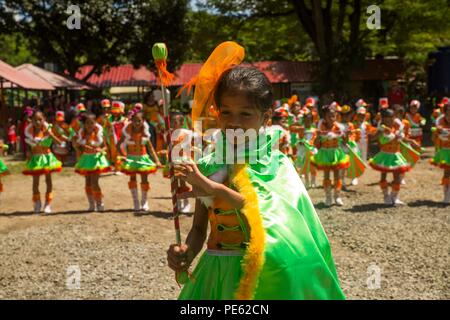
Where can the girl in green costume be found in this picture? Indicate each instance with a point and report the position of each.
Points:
(136, 137)
(266, 240)
(390, 159)
(93, 160)
(41, 161)
(331, 156)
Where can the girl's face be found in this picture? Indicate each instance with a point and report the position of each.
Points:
(346, 117)
(400, 114)
(388, 121)
(413, 109)
(177, 122)
(331, 116)
(38, 120)
(238, 112)
(308, 121)
(138, 121)
(89, 124)
(361, 117)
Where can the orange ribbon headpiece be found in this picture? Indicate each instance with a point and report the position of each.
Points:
(225, 56)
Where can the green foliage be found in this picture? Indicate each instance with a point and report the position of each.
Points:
(112, 32)
(335, 32)
(279, 38)
(14, 50)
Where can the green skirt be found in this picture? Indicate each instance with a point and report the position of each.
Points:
(331, 159)
(214, 278)
(442, 158)
(390, 162)
(92, 164)
(138, 165)
(355, 148)
(3, 168)
(42, 164)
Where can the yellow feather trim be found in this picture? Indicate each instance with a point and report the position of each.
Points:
(253, 259)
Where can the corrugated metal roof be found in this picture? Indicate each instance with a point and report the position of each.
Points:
(13, 76)
(54, 79)
(276, 72)
(120, 76)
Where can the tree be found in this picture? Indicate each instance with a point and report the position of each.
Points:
(111, 32)
(14, 50)
(283, 42)
(338, 31)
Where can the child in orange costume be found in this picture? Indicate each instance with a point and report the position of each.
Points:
(136, 138)
(76, 125)
(64, 133)
(330, 156)
(442, 157)
(416, 122)
(389, 159)
(93, 160)
(39, 138)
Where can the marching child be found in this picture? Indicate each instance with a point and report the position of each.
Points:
(264, 242)
(41, 161)
(307, 135)
(390, 159)
(442, 156)
(416, 122)
(64, 133)
(331, 156)
(93, 160)
(136, 138)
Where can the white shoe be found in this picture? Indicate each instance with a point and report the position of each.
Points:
(387, 199)
(355, 182)
(100, 207)
(37, 207)
(339, 201)
(403, 182)
(145, 207)
(135, 196)
(186, 206)
(47, 208)
(396, 201)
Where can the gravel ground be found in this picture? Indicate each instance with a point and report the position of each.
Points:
(122, 256)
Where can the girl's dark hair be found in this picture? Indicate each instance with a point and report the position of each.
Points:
(87, 115)
(248, 80)
(399, 107)
(35, 112)
(387, 113)
(327, 108)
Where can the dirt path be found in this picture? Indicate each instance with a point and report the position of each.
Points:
(121, 255)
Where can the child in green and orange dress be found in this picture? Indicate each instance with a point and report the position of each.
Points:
(93, 160)
(390, 159)
(441, 158)
(264, 242)
(136, 138)
(41, 161)
(331, 156)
